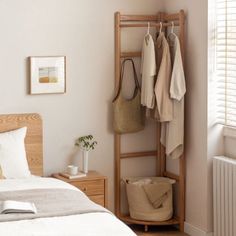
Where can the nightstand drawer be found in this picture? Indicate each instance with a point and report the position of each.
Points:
(99, 199)
(92, 187)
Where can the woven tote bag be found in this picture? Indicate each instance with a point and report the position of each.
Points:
(128, 114)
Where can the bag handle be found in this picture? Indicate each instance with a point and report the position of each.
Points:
(137, 86)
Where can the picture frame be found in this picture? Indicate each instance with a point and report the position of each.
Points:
(47, 74)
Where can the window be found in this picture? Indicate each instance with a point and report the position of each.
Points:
(225, 67)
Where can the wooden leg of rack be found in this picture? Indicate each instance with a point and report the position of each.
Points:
(181, 227)
(117, 175)
(163, 160)
(158, 158)
(145, 228)
(182, 192)
(182, 164)
(117, 137)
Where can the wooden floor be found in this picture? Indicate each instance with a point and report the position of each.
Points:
(157, 231)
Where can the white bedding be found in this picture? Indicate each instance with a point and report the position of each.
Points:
(91, 224)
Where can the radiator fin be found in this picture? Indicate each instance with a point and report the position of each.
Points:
(224, 196)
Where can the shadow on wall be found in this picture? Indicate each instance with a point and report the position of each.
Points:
(110, 116)
(27, 69)
(73, 156)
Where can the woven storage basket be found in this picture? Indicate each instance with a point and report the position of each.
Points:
(140, 208)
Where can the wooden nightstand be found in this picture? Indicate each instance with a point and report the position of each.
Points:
(94, 185)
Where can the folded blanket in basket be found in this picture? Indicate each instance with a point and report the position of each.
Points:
(157, 193)
(142, 182)
(50, 203)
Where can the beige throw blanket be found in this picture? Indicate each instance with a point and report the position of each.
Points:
(157, 193)
(50, 203)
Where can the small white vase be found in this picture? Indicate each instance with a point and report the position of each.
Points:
(85, 161)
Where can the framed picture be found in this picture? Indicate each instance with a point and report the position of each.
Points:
(47, 75)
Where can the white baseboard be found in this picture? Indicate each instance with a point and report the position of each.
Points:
(194, 231)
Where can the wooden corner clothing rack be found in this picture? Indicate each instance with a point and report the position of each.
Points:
(126, 21)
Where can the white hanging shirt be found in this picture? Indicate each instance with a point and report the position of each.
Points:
(173, 132)
(148, 71)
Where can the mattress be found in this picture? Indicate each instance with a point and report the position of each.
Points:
(90, 224)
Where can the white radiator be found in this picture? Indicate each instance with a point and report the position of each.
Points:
(224, 196)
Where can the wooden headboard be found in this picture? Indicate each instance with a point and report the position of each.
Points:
(33, 140)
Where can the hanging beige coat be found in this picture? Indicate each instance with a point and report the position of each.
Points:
(173, 132)
(164, 104)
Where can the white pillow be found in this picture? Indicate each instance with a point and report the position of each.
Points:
(12, 154)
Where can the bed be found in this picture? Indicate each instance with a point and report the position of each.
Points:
(97, 221)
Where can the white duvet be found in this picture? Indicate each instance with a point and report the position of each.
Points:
(91, 224)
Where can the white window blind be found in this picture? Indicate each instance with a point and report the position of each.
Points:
(226, 61)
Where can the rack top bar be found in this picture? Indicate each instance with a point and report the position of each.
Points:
(157, 25)
(127, 18)
(165, 17)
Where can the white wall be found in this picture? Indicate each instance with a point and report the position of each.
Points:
(215, 131)
(229, 142)
(230, 150)
(203, 138)
(197, 185)
(83, 31)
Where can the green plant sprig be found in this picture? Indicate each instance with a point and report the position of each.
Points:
(86, 142)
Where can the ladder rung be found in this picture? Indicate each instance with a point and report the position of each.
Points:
(130, 54)
(138, 154)
(171, 175)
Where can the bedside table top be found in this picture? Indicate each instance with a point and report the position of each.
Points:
(91, 175)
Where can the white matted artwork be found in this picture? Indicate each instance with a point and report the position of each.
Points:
(47, 75)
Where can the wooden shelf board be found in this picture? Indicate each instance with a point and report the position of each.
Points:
(127, 219)
(91, 175)
(171, 175)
